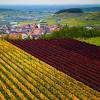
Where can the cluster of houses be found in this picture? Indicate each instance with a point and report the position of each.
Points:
(30, 30)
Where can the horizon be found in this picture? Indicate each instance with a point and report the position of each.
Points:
(61, 6)
(64, 6)
(49, 2)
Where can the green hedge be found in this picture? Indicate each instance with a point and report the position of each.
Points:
(72, 32)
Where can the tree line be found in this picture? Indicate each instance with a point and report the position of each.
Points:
(72, 32)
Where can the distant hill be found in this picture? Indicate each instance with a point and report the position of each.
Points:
(75, 19)
(79, 10)
(71, 10)
(91, 9)
(3, 10)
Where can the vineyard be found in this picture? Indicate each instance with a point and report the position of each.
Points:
(83, 68)
(79, 47)
(47, 72)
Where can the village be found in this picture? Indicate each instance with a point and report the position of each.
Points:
(15, 30)
(32, 31)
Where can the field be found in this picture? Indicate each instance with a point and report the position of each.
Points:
(81, 48)
(95, 40)
(75, 19)
(84, 19)
(27, 22)
(23, 76)
(63, 57)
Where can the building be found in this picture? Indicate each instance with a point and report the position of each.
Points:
(3, 23)
(42, 24)
(89, 27)
(14, 24)
(24, 36)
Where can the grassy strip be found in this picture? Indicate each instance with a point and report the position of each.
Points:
(95, 40)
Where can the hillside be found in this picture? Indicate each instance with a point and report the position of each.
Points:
(62, 54)
(23, 76)
(92, 9)
(71, 10)
(79, 10)
(76, 19)
(6, 10)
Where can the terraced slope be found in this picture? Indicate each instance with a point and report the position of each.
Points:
(72, 63)
(23, 76)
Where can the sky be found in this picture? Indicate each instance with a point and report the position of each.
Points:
(49, 2)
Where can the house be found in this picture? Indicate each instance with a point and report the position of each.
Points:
(13, 35)
(38, 31)
(24, 36)
(8, 31)
(0, 35)
(58, 21)
(89, 27)
(54, 27)
(42, 24)
(3, 23)
(14, 24)
(35, 36)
